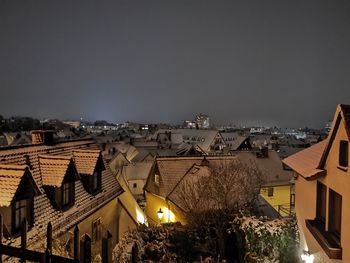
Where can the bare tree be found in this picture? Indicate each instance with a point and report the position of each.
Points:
(211, 194)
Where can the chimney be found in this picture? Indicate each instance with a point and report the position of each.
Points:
(43, 137)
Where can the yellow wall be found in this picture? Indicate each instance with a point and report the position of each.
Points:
(281, 196)
(129, 201)
(170, 212)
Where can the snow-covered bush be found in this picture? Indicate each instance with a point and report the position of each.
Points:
(266, 240)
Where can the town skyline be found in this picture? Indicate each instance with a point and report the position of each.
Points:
(268, 62)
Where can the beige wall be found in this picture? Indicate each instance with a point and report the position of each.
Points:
(138, 190)
(305, 199)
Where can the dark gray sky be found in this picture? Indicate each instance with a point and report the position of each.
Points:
(246, 62)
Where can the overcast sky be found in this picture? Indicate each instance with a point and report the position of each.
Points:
(283, 63)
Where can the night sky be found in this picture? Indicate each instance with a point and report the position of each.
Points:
(283, 63)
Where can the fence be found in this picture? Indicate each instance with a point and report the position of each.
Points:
(81, 254)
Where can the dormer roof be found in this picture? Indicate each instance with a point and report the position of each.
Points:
(87, 160)
(54, 169)
(10, 179)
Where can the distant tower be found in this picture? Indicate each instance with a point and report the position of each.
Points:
(202, 121)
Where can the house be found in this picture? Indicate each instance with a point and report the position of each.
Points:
(136, 175)
(236, 142)
(207, 140)
(277, 189)
(322, 194)
(67, 183)
(165, 177)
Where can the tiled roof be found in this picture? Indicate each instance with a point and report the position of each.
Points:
(306, 162)
(85, 203)
(10, 178)
(271, 167)
(86, 160)
(53, 169)
(172, 169)
(138, 171)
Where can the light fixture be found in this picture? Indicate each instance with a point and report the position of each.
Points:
(160, 214)
(307, 257)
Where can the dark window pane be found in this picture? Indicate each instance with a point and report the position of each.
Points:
(343, 153)
(321, 203)
(335, 210)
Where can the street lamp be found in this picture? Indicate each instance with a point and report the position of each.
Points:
(160, 215)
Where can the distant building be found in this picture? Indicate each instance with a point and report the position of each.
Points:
(202, 121)
(74, 124)
(189, 124)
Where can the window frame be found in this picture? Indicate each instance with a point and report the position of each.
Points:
(343, 153)
(27, 208)
(321, 204)
(335, 214)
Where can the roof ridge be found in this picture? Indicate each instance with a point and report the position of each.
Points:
(55, 157)
(13, 167)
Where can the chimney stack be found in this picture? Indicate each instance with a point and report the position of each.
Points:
(43, 137)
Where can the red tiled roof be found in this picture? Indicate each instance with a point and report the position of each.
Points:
(10, 178)
(86, 160)
(53, 169)
(306, 162)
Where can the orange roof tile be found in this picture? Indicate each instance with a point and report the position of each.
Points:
(86, 160)
(307, 162)
(10, 178)
(53, 169)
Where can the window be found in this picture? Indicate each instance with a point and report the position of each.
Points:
(135, 185)
(20, 213)
(321, 204)
(64, 195)
(343, 153)
(156, 179)
(94, 182)
(270, 191)
(22, 209)
(335, 210)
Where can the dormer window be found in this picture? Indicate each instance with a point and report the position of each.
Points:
(90, 166)
(343, 153)
(58, 176)
(22, 210)
(64, 195)
(95, 182)
(17, 189)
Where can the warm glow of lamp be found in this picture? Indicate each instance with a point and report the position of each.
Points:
(307, 257)
(160, 214)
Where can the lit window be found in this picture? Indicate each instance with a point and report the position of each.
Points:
(156, 179)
